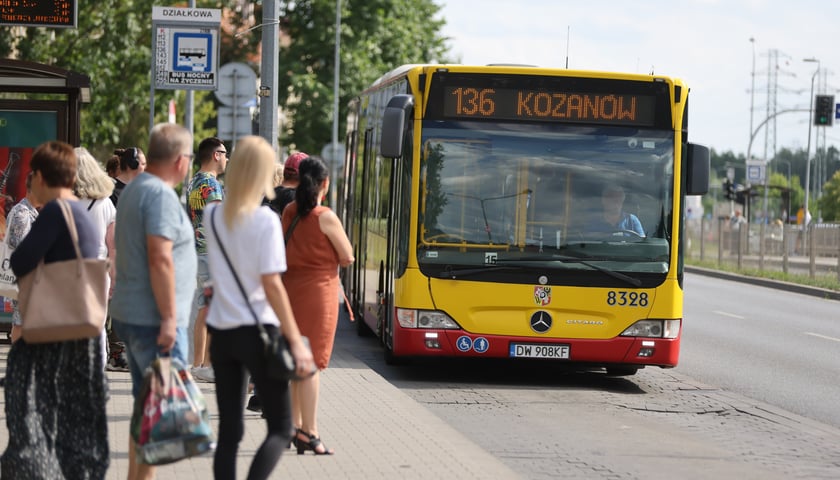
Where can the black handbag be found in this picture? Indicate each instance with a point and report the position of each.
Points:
(279, 362)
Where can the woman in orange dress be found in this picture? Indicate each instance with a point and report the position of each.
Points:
(316, 245)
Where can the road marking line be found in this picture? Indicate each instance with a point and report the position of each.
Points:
(822, 336)
(726, 314)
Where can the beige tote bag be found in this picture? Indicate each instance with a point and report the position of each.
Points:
(64, 300)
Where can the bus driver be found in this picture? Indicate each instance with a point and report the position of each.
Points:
(612, 218)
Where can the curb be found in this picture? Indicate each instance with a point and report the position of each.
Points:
(764, 282)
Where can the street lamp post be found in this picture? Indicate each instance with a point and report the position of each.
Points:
(752, 87)
(808, 148)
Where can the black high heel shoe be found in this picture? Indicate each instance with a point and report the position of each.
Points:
(293, 443)
(311, 444)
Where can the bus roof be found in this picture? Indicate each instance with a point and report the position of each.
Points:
(514, 68)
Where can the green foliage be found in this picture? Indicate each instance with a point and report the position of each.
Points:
(827, 282)
(376, 36)
(112, 45)
(778, 169)
(830, 200)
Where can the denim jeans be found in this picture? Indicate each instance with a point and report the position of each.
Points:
(142, 348)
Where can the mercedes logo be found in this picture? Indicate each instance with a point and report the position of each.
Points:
(541, 322)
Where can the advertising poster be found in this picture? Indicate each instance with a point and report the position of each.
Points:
(21, 131)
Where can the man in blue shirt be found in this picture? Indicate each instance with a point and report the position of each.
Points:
(156, 262)
(612, 218)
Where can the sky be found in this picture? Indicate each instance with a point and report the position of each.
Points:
(706, 43)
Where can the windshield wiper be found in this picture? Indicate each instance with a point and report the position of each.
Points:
(463, 272)
(567, 259)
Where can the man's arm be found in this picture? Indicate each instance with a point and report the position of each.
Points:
(162, 278)
(636, 225)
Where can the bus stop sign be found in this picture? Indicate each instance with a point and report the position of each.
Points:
(185, 48)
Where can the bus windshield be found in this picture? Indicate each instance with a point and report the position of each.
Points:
(499, 192)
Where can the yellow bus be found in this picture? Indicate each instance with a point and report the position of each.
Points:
(520, 212)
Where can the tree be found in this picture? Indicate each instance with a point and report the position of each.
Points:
(830, 200)
(376, 36)
(112, 45)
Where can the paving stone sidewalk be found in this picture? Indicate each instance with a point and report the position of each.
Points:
(377, 431)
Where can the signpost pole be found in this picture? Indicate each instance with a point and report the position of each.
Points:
(268, 73)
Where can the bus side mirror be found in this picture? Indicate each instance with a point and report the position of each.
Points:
(697, 170)
(394, 119)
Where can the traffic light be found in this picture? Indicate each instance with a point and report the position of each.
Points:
(728, 189)
(824, 110)
(742, 196)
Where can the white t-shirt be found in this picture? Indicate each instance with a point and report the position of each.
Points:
(255, 247)
(103, 214)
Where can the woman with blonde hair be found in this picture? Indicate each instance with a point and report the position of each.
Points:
(246, 257)
(94, 187)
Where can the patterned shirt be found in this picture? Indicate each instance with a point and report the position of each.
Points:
(18, 223)
(204, 189)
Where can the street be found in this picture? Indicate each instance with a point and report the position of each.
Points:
(714, 416)
(778, 347)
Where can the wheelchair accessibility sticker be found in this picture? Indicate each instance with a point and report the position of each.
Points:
(464, 343)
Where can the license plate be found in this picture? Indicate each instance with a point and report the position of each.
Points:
(539, 350)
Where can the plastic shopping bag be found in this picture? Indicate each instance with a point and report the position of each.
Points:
(170, 421)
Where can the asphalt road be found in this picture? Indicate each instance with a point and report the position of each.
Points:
(769, 344)
(700, 420)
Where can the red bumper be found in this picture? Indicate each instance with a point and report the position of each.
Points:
(457, 343)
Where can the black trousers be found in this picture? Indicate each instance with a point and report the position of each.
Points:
(237, 354)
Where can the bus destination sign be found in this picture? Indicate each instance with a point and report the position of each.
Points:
(39, 13)
(549, 106)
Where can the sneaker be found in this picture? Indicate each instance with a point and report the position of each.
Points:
(203, 374)
(117, 362)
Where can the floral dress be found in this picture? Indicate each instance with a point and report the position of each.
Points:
(55, 393)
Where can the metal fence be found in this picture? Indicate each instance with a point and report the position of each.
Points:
(812, 251)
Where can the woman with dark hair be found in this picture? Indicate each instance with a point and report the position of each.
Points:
(132, 162)
(316, 245)
(55, 392)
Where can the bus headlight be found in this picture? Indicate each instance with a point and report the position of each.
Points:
(653, 329)
(431, 319)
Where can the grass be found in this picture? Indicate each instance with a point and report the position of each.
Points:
(824, 281)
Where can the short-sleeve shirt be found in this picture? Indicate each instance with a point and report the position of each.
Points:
(204, 189)
(103, 212)
(282, 197)
(628, 221)
(148, 206)
(119, 186)
(19, 221)
(255, 247)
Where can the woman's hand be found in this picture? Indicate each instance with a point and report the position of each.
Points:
(303, 357)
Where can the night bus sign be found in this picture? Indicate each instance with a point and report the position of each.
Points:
(39, 13)
(185, 48)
